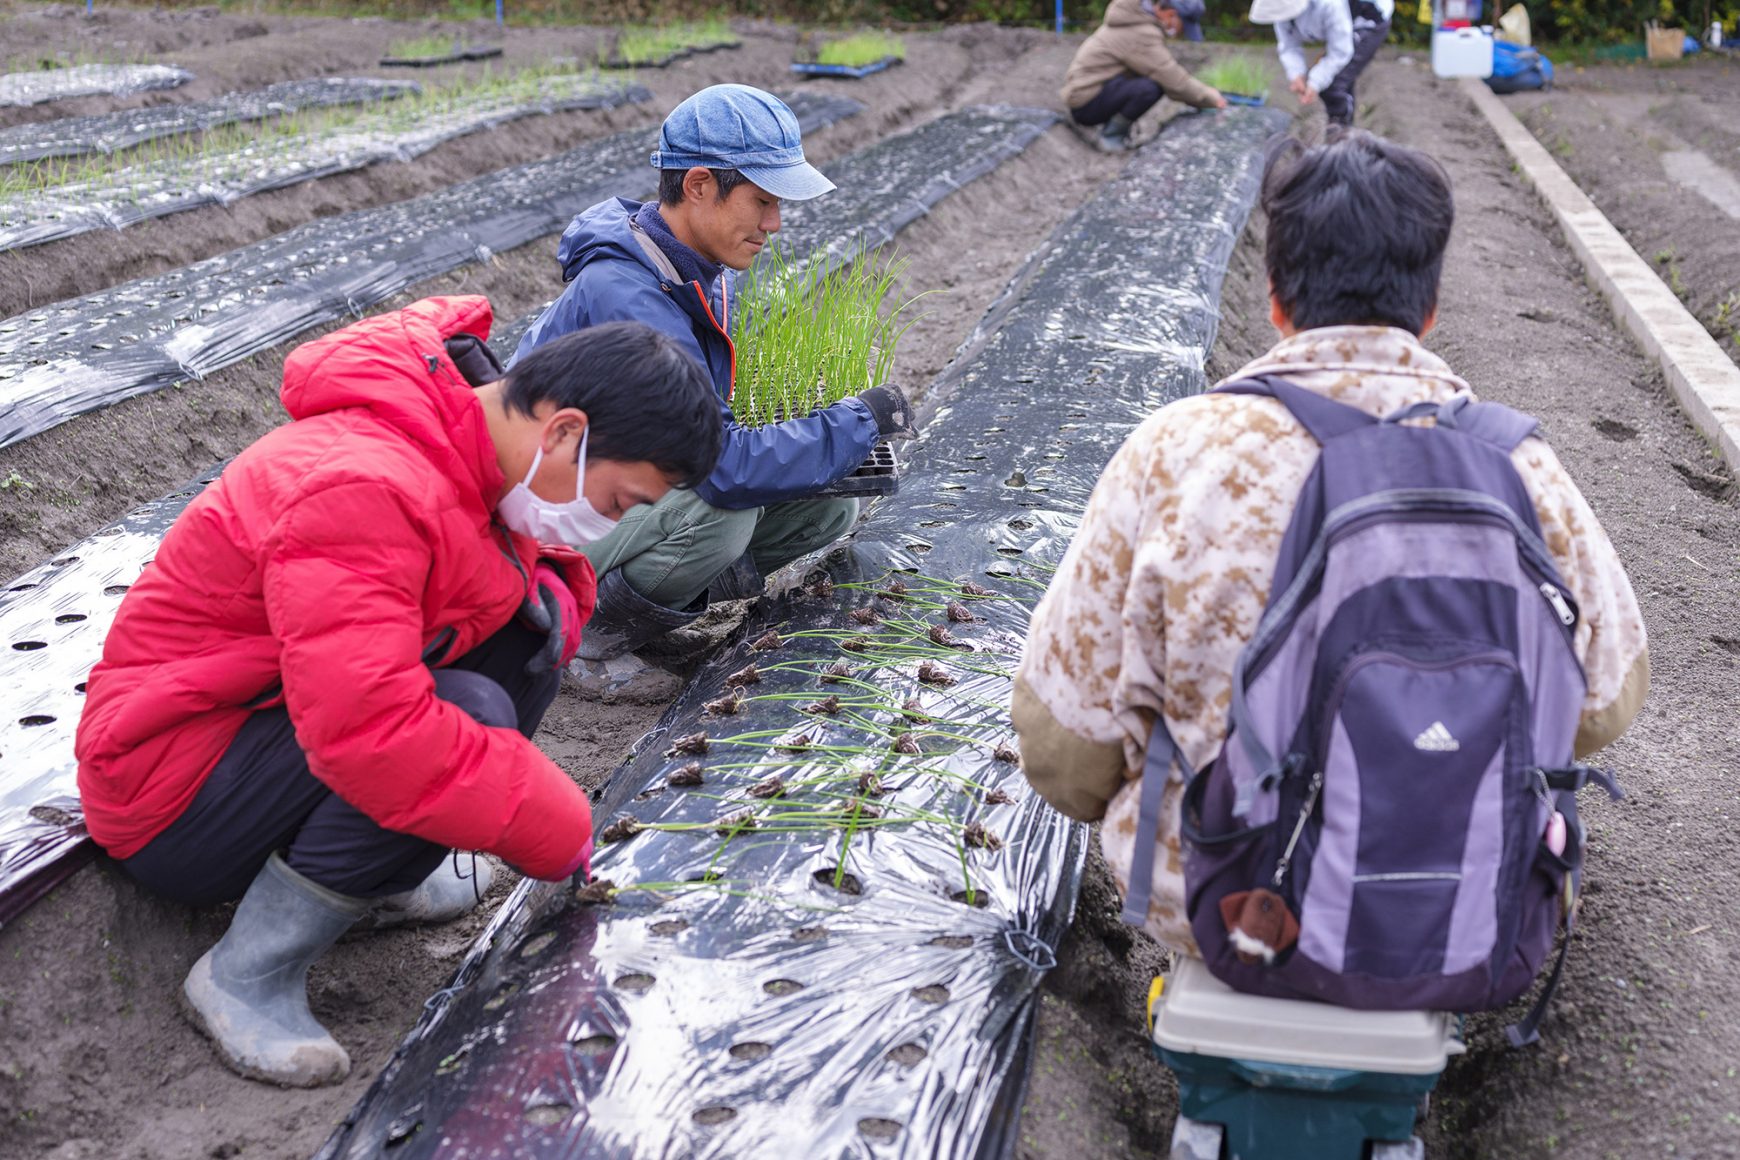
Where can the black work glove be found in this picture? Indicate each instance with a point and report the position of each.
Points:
(550, 608)
(893, 413)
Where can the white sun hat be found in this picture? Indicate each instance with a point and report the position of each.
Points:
(1276, 11)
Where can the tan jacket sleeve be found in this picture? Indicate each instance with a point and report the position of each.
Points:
(1077, 776)
(1611, 640)
(1149, 57)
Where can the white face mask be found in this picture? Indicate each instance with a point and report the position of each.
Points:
(573, 523)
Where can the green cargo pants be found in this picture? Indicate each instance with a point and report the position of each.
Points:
(670, 551)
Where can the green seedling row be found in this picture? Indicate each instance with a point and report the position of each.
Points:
(810, 335)
(648, 44)
(861, 49)
(1243, 74)
(423, 47)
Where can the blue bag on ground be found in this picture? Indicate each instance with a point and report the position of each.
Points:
(1398, 773)
(1517, 68)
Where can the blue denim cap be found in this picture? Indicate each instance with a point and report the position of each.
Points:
(741, 128)
(1191, 13)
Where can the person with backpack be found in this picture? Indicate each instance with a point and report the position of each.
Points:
(1123, 69)
(1343, 559)
(1351, 32)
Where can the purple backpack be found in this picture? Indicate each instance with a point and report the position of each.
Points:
(1391, 822)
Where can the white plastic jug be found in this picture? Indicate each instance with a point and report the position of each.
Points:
(1462, 52)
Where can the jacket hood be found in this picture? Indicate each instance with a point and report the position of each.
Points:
(396, 368)
(1120, 13)
(604, 231)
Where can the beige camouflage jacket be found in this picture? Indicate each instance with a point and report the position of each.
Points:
(1167, 577)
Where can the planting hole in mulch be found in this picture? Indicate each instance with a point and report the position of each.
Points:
(718, 1114)
(834, 878)
(548, 1115)
(670, 926)
(52, 816)
(403, 1129)
(750, 1052)
(780, 987)
(69, 618)
(877, 1128)
(977, 899)
(953, 942)
(537, 945)
(499, 1000)
(35, 720)
(596, 1045)
(931, 993)
(29, 645)
(809, 934)
(636, 982)
(111, 590)
(907, 1054)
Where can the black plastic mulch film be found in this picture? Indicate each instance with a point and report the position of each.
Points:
(108, 132)
(75, 356)
(833, 913)
(88, 80)
(482, 52)
(56, 616)
(136, 193)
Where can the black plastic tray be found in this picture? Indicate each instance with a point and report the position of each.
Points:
(817, 69)
(461, 55)
(879, 475)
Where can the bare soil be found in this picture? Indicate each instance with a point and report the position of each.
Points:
(1638, 1058)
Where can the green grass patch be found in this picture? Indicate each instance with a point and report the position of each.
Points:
(422, 48)
(1244, 74)
(808, 336)
(648, 44)
(862, 49)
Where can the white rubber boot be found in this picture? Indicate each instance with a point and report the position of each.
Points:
(454, 889)
(249, 993)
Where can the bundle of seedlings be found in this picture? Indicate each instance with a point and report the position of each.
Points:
(655, 47)
(855, 56)
(1241, 79)
(809, 335)
(427, 51)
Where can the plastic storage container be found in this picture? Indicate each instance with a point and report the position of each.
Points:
(1462, 52)
(1279, 1079)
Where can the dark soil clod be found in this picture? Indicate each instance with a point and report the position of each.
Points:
(822, 589)
(809, 934)
(735, 822)
(896, 590)
(978, 837)
(866, 614)
(939, 634)
(767, 641)
(869, 784)
(828, 705)
(691, 745)
(913, 710)
(934, 993)
(998, 797)
(907, 1054)
(1007, 752)
(876, 1128)
(932, 673)
(836, 879)
(839, 670)
(747, 675)
(906, 743)
(598, 892)
(621, 830)
(856, 644)
(960, 613)
(771, 786)
(968, 588)
(686, 775)
(865, 810)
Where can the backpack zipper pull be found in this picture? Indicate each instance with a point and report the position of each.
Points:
(1311, 793)
(1557, 600)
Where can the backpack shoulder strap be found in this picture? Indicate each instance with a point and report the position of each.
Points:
(1322, 416)
(1156, 768)
(1493, 423)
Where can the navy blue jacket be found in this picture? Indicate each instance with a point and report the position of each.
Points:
(611, 277)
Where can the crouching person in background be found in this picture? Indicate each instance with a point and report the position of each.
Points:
(1123, 69)
(1165, 582)
(328, 677)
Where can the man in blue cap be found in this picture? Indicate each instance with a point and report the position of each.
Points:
(727, 157)
(1121, 71)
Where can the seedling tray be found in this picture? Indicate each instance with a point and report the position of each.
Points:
(670, 58)
(817, 69)
(879, 475)
(1255, 102)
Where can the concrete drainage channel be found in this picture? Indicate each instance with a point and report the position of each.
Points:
(53, 619)
(831, 896)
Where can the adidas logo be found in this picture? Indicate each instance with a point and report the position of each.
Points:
(1437, 739)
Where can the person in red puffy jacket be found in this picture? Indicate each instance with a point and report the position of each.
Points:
(328, 676)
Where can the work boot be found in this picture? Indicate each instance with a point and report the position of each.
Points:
(1114, 135)
(249, 993)
(604, 667)
(454, 889)
(742, 581)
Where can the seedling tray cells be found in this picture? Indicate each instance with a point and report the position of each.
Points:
(825, 896)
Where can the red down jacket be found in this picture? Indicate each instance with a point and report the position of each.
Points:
(330, 555)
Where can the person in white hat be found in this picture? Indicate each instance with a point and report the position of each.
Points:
(1349, 30)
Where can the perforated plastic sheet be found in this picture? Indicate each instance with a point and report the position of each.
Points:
(107, 132)
(84, 353)
(154, 188)
(87, 80)
(832, 965)
(52, 623)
